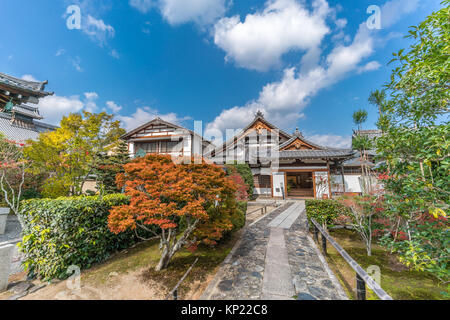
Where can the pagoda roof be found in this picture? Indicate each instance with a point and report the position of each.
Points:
(20, 90)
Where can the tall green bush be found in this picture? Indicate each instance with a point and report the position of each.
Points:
(69, 231)
(246, 173)
(325, 211)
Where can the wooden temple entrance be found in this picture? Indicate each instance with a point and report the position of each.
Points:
(300, 184)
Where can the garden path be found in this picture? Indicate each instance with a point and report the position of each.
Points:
(276, 259)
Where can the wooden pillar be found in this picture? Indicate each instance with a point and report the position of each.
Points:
(329, 180)
(343, 176)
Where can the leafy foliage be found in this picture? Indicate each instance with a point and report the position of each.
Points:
(246, 173)
(415, 145)
(12, 173)
(326, 211)
(70, 153)
(109, 166)
(62, 232)
(166, 194)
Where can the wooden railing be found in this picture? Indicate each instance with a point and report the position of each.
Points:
(174, 292)
(263, 210)
(362, 278)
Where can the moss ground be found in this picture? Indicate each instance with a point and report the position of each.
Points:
(397, 280)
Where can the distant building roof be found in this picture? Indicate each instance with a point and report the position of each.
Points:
(21, 130)
(20, 91)
(17, 119)
(371, 134)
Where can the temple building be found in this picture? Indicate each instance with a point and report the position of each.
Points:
(284, 165)
(162, 137)
(18, 120)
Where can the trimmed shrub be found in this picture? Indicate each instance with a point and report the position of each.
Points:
(69, 231)
(325, 211)
(246, 173)
(239, 218)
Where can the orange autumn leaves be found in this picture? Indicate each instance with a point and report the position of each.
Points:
(163, 193)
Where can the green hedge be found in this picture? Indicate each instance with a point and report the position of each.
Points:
(69, 231)
(324, 211)
(239, 220)
(246, 173)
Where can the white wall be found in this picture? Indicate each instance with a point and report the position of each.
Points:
(278, 184)
(323, 188)
(351, 183)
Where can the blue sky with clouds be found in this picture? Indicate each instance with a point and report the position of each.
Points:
(306, 64)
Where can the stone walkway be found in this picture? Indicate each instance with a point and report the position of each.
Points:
(276, 259)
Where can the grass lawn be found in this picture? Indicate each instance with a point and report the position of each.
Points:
(130, 275)
(397, 280)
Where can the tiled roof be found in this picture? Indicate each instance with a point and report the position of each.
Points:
(371, 134)
(298, 135)
(22, 84)
(315, 154)
(31, 112)
(21, 131)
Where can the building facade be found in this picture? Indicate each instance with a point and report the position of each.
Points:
(283, 165)
(162, 137)
(19, 121)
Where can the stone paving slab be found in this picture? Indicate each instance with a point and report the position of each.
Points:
(276, 263)
(240, 276)
(277, 281)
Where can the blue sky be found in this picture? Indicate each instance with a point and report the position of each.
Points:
(306, 64)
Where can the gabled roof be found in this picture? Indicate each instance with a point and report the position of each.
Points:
(158, 121)
(259, 117)
(297, 136)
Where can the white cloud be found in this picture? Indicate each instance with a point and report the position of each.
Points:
(113, 106)
(146, 114)
(370, 66)
(60, 52)
(53, 108)
(332, 141)
(90, 104)
(97, 30)
(143, 6)
(114, 54)
(283, 101)
(29, 77)
(263, 37)
(392, 11)
(201, 12)
(76, 63)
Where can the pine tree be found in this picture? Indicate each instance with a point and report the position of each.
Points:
(108, 168)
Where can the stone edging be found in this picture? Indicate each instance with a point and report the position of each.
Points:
(330, 273)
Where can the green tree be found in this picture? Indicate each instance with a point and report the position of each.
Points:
(109, 165)
(378, 99)
(362, 143)
(71, 153)
(415, 143)
(359, 117)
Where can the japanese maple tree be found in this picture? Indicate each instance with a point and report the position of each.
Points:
(182, 200)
